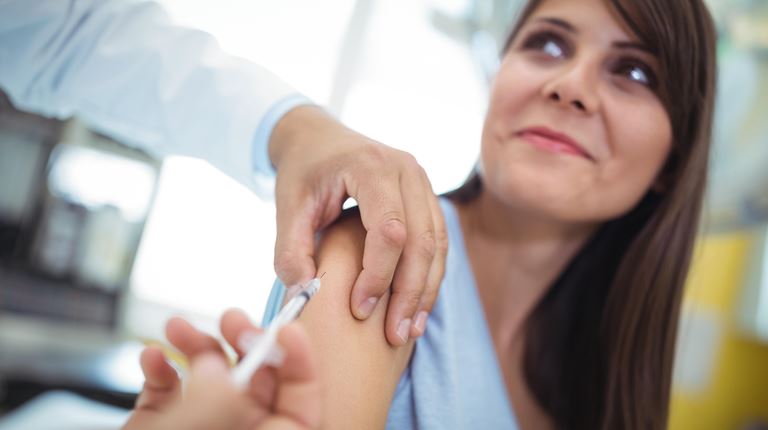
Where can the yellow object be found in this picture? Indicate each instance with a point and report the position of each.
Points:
(736, 391)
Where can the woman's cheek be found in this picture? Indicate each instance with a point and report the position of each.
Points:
(517, 80)
(641, 133)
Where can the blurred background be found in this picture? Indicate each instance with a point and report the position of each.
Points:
(100, 243)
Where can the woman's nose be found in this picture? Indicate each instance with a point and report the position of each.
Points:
(574, 87)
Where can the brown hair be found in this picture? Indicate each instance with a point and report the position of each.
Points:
(600, 344)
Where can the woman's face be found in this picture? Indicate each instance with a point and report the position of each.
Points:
(575, 130)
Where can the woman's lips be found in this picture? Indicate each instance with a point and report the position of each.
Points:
(549, 140)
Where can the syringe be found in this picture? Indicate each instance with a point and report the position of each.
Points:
(266, 342)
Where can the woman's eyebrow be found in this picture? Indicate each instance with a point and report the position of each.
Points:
(636, 46)
(565, 25)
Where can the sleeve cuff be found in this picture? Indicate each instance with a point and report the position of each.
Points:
(262, 166)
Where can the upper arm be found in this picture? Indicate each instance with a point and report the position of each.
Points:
(360, 370)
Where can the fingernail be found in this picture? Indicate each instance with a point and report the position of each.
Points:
(366, 307)
(421, 322)
(403, 329)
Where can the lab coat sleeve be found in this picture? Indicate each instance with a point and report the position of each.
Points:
(126, 70)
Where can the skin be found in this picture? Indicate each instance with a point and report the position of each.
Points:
(535, 212)
(319, 163)
(587, 94)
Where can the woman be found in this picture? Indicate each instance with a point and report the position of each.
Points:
(562, 297)
(569, 247)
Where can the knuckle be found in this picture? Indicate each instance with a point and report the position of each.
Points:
(412, 298)
(409, 159)
(375, 154)
(427, 303)
(409, 292)
(409, 297)
(283, 262)
(378, 281)
(427, 245)
(393, 232)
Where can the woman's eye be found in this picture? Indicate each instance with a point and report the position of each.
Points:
(549, 43)
(638, 73)
(553, 49)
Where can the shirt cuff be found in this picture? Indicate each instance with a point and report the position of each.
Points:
(262, 165)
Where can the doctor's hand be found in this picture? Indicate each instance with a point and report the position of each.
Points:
(285, 398)
(319, 164)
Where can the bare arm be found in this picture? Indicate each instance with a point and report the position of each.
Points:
(359, 369)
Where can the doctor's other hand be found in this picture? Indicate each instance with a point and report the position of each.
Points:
(284, 398)
(319, 164)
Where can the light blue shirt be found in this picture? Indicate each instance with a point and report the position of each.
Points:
(453, 380)
(126, 70)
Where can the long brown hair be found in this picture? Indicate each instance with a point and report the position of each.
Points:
(600, 344)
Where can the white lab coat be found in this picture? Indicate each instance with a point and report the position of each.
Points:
(127, 71)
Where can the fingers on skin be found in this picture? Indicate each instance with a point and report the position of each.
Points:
(299, 386)
(189, 340)
(383, 216)
(161, 381)
(295, 241)
(383, 247)
(437, 268)
(411, 274)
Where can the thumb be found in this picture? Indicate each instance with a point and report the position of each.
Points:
(295, 242)
(210, 400)
(299, 393)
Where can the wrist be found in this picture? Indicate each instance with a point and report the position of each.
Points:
(306, 120)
